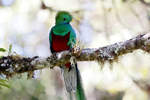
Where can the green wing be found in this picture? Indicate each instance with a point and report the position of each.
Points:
(72, 39)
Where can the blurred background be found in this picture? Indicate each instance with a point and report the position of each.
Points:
(26, 23)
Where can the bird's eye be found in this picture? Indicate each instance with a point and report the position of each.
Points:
(64, 19)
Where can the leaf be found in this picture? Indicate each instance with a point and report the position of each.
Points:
(10, 49)
(2, 80)
(4, 83)
(2, 50)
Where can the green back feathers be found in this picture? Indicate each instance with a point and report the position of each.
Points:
(63, 17)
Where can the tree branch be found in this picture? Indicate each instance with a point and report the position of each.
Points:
(16, 64)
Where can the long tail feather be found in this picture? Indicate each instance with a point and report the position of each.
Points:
(70, 80)
(70, 96)
(73, 82)
(80, 95)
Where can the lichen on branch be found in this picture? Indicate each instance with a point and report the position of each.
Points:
(15, 64)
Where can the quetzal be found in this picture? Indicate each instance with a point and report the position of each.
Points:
(63, 37)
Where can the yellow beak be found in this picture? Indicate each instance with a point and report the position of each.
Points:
(76, 19)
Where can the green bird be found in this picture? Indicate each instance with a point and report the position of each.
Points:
(62, 37)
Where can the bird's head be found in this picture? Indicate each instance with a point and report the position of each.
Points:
(63, 17)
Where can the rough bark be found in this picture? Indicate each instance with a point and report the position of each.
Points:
(15, 64)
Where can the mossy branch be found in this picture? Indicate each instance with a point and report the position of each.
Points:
(16, 64)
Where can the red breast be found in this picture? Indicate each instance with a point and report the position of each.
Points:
(59, 43)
